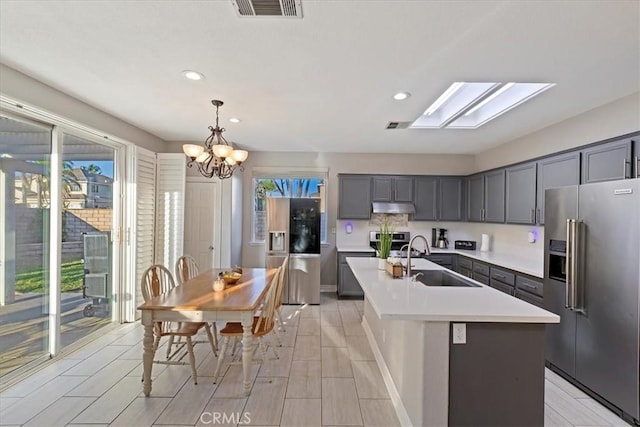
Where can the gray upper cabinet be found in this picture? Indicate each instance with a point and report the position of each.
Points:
(450, 198)
(425, 198)
(494, 184)
(475, 198)
(636, 157)
(354, 197)
(521, 194)
(392, 189)
(382, 189)
(556, 171)
(607, 162)
(403, 189)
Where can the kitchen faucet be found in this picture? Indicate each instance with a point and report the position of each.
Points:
(426, 247)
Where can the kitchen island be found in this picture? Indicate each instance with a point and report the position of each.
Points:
(454, 355)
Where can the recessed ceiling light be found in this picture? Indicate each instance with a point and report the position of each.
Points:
(470, 105)
(401, 96)
(193, 75)
(234, 120)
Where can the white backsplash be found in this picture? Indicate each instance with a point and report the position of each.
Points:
(504, 238)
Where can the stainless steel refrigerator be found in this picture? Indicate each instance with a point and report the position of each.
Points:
(293, 230)
(592, 280)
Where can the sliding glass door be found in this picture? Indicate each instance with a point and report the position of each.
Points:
(59, 254)
(25, 180)
(86, 284)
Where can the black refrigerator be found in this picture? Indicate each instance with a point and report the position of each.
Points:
(293, 231)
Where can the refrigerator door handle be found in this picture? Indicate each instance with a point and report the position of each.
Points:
(574, 263)
(578, 285)
(568, 254)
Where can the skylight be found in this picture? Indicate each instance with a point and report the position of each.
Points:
(469, 105)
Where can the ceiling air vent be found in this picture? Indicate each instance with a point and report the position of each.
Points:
(285, 8)
(398, 125)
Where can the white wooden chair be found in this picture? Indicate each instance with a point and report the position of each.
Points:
(263, 324)
(187, 268)
(157, 280)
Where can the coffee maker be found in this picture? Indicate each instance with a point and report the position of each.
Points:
(439, 238)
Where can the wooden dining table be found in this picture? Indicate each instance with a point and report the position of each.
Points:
(195, 301)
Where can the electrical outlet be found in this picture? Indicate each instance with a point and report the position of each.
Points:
(459, 333)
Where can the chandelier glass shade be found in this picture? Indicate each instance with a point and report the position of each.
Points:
(217, 158)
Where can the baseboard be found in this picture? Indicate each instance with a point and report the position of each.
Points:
(401, 411)
(328, 288)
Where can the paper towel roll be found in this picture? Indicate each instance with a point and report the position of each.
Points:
(484, 247)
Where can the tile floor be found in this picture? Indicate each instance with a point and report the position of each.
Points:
(326, 375)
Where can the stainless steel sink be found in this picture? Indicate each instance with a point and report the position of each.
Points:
(442, 278)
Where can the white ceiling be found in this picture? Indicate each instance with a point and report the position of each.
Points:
(325, 82)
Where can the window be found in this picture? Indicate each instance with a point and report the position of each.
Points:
(299, 185)
(95, 189)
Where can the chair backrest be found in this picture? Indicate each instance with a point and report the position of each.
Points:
(282, 276)
(156, 280)
(186, 268)
(267, 311)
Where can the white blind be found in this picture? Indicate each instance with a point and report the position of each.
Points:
(170, 192)
(143, 236)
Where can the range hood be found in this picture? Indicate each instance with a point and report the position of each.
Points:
(393, 208)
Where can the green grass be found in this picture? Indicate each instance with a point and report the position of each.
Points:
(33, 280)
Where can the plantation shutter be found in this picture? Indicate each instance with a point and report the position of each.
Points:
(170, 194)
(145, 197)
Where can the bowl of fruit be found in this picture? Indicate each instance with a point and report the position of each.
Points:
(230, 277)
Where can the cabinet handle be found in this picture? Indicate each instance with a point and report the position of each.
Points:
(500, 276)
(537, 215)
(637, 167)
(528, 286)
(533, 216)
(624, 168)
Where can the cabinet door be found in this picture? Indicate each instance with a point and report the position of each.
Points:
(425, 198)
(475, 198)
(521, 194)
(348, 284)
(382, 189)
(494, 196)
(451, 199)
(354, 200)
(607, 162)
(403, 189)
(556, 171)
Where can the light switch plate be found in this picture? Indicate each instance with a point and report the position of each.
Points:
(459, 333)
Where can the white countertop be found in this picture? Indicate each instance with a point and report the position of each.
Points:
(355, 249)
(531, 266)
(406, 300)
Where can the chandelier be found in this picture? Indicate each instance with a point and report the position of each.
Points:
(217, 158)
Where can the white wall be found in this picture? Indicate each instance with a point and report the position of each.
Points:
(616, 118)
(23, 88)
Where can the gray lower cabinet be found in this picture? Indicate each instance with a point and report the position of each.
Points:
(607, 162)
(521, 194)
(451, 198)
(444, 260)
(354, 198)
(530, 298)
(348, 285)
(556, 171)
(425, 198)
(502, 279)
(509, 388)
